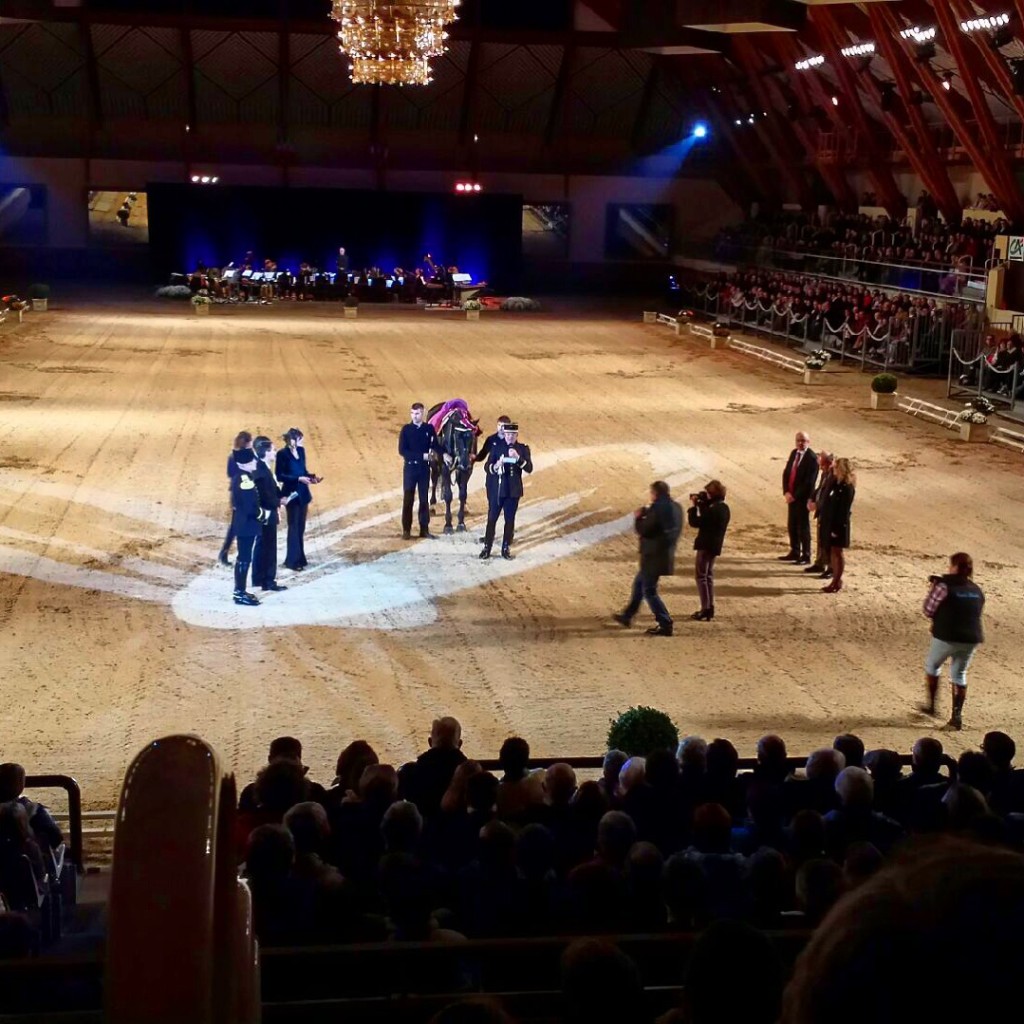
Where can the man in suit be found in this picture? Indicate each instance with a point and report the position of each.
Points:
(490, 479)
(248, 520)
(818, 504)
(264, 556)
(659, 526)
(798, 479)
(415, 443)
(507, 461)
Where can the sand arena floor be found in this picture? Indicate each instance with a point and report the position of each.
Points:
(118, 627)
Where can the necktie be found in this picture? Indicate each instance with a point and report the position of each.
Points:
(792, 472)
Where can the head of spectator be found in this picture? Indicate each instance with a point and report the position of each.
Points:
(285, 748)
(378, 785)
(645, 867)
(862, 862)
(855, 789)
(590, 804)
(407, 895)
(456, 796)
(726, 952)
(401, 827)
(481, 793)
(685, 889)
(559, 785)
(280, 786)
(964, 805)
(723, 761)
(767, 876)
(514, 758)
(692, 755)
(661, 771)
(632, 775)
(307, 822)
(15, 833)
(12, 781)
(884, 765)
(999, 748)
(926, 756)
(472, 1011)
(952, 898)
(535, 853)
(712, 829)
(613, 762)
(352, 762)
(824, 765)
(497, 848)
(616, 833)
(445, 734)
(975, 769)
(852, 749)
(807, 835)
(270, 856)
(599, 982)
(819, 884)
(771, 758)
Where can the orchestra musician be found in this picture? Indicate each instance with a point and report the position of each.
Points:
(268, 282)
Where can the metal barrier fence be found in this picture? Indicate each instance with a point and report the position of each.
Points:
(74, 815)
(971, 375)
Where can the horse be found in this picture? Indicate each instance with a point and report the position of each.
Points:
(457, 434)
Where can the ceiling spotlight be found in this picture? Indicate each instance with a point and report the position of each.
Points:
(738, 121)
(835, 101)
(195, 179)
(984, 24)
(478, 187)
(205, 179)
(918, 34)
(947, 80)
(700, 130)
(858, 50)
(460, 187)
(215, 179)
(810, 62)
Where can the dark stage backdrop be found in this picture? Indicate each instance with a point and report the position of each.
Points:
(481, 234)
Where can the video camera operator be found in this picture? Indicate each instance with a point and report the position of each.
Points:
(709, 515)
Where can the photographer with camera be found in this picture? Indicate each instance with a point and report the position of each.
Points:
(709, 515)
(954, 604)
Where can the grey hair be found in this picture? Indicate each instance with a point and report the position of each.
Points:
(824, 764)
(855, 787)
(692, 750)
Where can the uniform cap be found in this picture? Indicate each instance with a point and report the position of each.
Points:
(511, 428)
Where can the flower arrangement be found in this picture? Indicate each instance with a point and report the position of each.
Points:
(977, 410)
(201, 298)
(817, 360)
(472, 305)
(684, 314)
(884, 384)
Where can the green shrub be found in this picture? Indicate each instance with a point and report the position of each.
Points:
(640, 731)
(884, 384)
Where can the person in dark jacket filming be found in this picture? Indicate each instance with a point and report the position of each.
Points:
(954, 604)
(709, 515)
(659, 526)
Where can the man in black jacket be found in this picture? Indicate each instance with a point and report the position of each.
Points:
(818, 503)
(508, 461)
(264, 556)
(659, 526)
(249, 518)
(798, 479)
(954, 604)
(709, 515)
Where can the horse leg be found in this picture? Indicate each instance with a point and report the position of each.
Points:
(435, 472)
(463, 495)
(446, 494)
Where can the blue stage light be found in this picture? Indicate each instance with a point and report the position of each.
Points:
(700, 130)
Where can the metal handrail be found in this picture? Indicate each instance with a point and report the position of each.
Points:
(74, 792)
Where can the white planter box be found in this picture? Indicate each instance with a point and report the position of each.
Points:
(39, 305)
(472, 314)
(201, 309)
(883, 401)
(974, 432)
(813, 376)
(351, 312)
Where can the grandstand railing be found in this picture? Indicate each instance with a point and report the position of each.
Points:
(74, 815)
(971, 376)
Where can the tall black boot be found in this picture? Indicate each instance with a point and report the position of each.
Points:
(932, 684)
(956, 720)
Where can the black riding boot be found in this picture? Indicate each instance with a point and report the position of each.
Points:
(956, 720)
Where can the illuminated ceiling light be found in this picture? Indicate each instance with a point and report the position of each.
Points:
(835, 101)
(215, 179)
(205, 179)
(918, 34)
(392, 43)
(858, 50)
(810, 62)
(947, 80)
(477, 187)
(984, 24)
(195, 179)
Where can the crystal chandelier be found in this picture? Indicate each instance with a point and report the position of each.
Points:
(392, 43)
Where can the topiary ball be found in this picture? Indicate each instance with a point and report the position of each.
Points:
(642, 730)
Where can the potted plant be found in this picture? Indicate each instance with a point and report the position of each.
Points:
(974, 419)
(201, 303)
(814, 364)
(642, 730)
(40, 295)
(883, 391)
(650, 316)
(472, 308)
(351, 305)
(720, 329)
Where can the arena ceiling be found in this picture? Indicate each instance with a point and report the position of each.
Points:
(546, 85)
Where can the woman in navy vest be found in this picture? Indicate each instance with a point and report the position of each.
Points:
(295, 478)
(243, 439)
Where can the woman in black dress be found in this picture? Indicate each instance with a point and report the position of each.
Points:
(295, 478)
(840, 504)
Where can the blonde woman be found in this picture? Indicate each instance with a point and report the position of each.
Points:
(840, 503)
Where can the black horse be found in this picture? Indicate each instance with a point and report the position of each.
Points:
(458, 439)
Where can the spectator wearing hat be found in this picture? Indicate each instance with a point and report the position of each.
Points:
(508, 461)
(295, 478)
(264, 558)
(248, 521)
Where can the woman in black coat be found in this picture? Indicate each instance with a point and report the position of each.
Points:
(243, 439)
(295, 478)
(840, 504)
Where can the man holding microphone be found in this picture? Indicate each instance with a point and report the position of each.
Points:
(709, 515)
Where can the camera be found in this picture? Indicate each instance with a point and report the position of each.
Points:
(934, 579)
(701, 497)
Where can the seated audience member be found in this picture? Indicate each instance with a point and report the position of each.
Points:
(852, 749)
(601, 983)
(855, 821)
(965, 806)
(311, 832)
(588, 807)
(609, 783)
(630, 777)
(520, 791)
(452, 837)
(456, 796)
(279, 786)
(862, 862)
(806, 837)
(401, 828)
(281, 916)
(356, 840)
(724, 870)
(559, 790)
(425, 780)
(692, 755)
(733, 973)
(489, 888)
(973, 768)
(922, 790)
(770, 888)
(12, 788)
(952, 903)
(772, 767)
(1007, 790)
(644, 871)
(654, 803)
(541, 899)
(284, 748)
(816, 790)
(352, 762)
(406, 886)
(763, 825)
(721, 786)
(597, 891)
(686, 894)
(819, 884)
(16, 845)
(887, 774)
